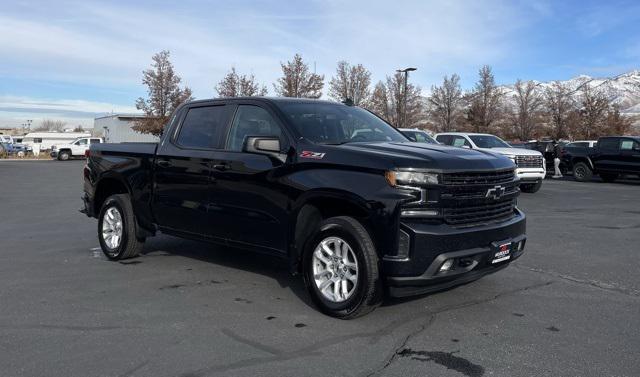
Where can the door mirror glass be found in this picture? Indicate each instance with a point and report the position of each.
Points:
(269, 145)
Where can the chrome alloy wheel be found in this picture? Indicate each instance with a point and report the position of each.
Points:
(112, 228)
(335, 269)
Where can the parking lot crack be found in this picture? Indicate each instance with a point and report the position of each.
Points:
(593, 283)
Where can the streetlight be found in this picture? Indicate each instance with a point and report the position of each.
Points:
(404, 106)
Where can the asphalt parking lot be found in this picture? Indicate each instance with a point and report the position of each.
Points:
(569, 307)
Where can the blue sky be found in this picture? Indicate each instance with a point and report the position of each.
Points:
(72, 60)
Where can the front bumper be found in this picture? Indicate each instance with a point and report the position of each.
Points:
(472, 249)
(530, 175)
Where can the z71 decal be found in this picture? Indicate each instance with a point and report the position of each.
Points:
(309, 154)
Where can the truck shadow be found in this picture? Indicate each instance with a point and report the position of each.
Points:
(230, 257)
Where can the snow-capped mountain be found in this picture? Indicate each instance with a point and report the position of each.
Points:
(623, 89)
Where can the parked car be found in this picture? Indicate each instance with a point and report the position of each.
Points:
(531, 167)
(77, 148)
(355, 213)
(611, 157)
(12, 149)
(417, 135)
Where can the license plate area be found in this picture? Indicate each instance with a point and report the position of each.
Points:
(500, 252)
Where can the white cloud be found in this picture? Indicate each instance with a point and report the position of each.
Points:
(109, 45)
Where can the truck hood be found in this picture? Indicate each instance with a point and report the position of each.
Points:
(512, 151)
(398, 155)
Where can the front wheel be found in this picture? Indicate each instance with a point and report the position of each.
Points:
(341, 269)
(117, 228)
(581, 172)
(531, 187)
(63, 156)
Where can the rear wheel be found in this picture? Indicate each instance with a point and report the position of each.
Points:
(341, 269)
(608, 177)
(581, 172)
(63, 156)
(531, 187)
(117, 228)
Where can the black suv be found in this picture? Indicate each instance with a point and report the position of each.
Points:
(347, 200)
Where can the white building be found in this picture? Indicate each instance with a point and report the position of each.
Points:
(44, 140)
(116, 128)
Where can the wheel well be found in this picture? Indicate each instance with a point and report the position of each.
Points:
(314, 212)
(583, 160)
(106, 188)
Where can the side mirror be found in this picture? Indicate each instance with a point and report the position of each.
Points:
(267, 145)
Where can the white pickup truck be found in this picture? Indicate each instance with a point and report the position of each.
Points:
(77, 148)
(531, 167)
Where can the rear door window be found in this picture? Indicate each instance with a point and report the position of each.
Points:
(609, 145)
(95, 141)
(202, 127)
(444, 139)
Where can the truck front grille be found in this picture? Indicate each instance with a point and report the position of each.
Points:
(472, 214)
(478, 178)
(529, 161)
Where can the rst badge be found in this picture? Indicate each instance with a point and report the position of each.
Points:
(310, 154)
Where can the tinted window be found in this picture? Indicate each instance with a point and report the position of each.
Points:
(444, 139)
(578, 144)
(251, 121)
(201, 127)
(488, 141)
(327, 123)
(610, 145)
(95, 141)
(459, 141)
(37, 140)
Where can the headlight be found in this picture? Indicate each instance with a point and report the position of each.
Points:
(410, 177)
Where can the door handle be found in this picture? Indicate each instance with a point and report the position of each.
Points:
(164, 163)
(221, 167)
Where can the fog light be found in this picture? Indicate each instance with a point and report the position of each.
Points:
(404, 244)
(447, 265)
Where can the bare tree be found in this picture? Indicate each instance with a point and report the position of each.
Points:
(235, 85)
(297, 81)
(388, 98)
(559, 106)
(78, 129)
(616, 123)
(51, 125)
(528, 105)
(485, 102)
(350, 83)
(446, 103)
(594, 105)
(164, 93)
(379, 102)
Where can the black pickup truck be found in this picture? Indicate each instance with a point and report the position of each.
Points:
(611, 157)
(347, 200)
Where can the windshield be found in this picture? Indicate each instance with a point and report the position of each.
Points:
(488, 141)
(326, 123)
(419, 136)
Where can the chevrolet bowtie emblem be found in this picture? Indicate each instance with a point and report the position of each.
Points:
(495, 192)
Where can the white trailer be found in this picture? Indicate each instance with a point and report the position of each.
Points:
(44, 140)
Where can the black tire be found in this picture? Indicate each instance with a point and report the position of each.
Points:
(129, 246)
(531, 187)
(608, 177)
(63, 156)
(582, 172)
(368, 293)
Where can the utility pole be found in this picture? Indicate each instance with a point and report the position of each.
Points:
(404, 100)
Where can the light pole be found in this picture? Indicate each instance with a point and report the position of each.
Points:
(404, 101)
